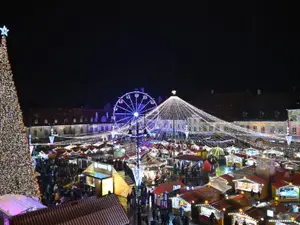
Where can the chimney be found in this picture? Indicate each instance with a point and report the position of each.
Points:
(258, 92)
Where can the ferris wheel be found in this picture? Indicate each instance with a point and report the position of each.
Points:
(135, 111)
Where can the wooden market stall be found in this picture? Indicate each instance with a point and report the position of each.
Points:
(251, 216)
(105, 179)
(218, 208)
(161, 192)
(252, 183)
(194, 196)
(235, 159)
(285, 192)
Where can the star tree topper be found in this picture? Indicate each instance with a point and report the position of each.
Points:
(4, 31)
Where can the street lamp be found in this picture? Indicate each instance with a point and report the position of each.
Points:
(138, 177)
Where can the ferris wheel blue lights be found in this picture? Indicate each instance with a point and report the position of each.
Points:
(134, 110)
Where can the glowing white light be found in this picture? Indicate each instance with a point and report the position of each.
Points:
(136, 114)
(174, 92)
(4, 31)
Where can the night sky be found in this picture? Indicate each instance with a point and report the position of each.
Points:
(74, 53)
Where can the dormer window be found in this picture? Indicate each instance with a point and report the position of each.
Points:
(81, 119)
(65, 120)
(74, 120)
(46, 121)
(92, 119)
(55, 121)
(36, 121)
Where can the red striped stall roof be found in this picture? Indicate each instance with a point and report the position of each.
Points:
(105, 211)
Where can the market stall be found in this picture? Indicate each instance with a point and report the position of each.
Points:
(251, 152)
(241, 218)
(220, 184)
(218, 208)
(105, 179)
(250, 162)
(234, 159)
(164, 189)
(184, 202)
(233, 150)
(283, 192)
(273, 153)
(252, 183)
(194, 196)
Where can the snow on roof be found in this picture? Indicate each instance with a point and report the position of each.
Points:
(13, 205)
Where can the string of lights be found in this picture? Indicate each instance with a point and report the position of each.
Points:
(178, 112)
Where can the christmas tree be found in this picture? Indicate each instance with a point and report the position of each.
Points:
(17, 175)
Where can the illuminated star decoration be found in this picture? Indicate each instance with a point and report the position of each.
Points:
(4, 30)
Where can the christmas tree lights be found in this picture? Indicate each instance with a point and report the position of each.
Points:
(17, 175)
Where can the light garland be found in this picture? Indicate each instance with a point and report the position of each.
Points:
(17, 171)
(242, 214)
(182, 114)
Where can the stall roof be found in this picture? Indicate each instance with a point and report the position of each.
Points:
(227, 177)
(190, 196)
(239, 201)
(219, 205)
(193, 158)
(202, 194)
(12, 205)
(256, 213)
(106, 211)
(99, 173)
(280, 183)
(167, 187)
(219, 184)
(253, 179)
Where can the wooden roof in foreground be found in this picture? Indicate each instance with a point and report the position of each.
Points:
(105, 211)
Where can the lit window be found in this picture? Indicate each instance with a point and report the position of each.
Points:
(294, 130)
(81, 119)
(74, 120)
(263, 129)
(36, 121)
(55, 121)
(46, 121)
(255, 128)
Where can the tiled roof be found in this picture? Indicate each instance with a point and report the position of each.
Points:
(105, 211)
